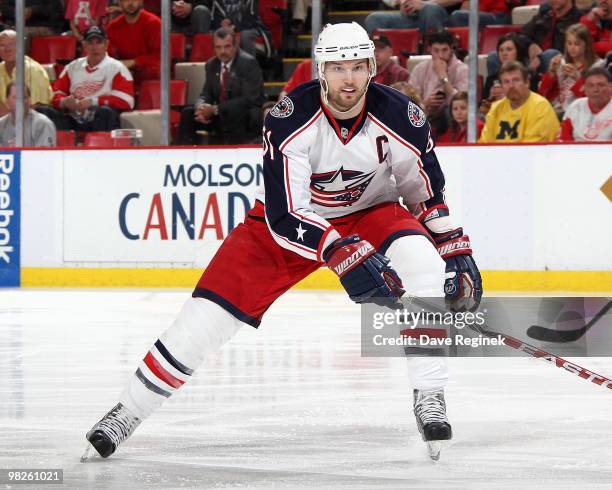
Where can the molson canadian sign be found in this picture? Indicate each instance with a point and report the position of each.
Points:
(156, 206)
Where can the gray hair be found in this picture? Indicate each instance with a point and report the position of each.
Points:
(8, 33)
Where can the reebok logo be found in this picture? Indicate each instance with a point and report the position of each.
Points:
(6, 168)
(353, 259)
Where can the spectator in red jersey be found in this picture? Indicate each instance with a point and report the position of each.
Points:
(387, 71)
(91, 91)
(135, 40)
(564, 81)
(457, 127)
(599, 22)
(590, 118)
(83, 14)
(491, 12)
(301, 74)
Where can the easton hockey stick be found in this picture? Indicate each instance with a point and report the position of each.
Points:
(550, 335)
(529, 349)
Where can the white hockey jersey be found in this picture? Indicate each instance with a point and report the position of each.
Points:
(108, 83)
(586, 125)
(317, 168)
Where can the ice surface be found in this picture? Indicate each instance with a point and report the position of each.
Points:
(292, 405)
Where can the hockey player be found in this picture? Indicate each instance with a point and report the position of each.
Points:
(339, 153)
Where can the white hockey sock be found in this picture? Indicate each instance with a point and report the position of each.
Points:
(201, 328)
(422, 271)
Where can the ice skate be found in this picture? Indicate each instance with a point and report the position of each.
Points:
(430, 413)
(106, 435)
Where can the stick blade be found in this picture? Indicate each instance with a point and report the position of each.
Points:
(544, 334)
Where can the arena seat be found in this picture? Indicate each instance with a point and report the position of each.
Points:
(147, 121)
(415, 60)
(195, 74)
(98, 139)
(490, 34)
(150, 92)
(178, 44)
(202, 47)
(51, 49)
(65, 138)
(402, 40)
(462, 34)
(522, 15)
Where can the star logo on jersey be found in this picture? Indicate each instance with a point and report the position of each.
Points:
(339, 188)
(300, 232)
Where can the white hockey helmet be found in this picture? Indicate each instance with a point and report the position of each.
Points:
(343, 42)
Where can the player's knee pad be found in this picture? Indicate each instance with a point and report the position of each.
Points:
(200, 329)
(419, 265)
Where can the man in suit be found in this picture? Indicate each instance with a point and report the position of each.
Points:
(230, 103)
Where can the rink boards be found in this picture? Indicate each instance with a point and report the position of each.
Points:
(538, 215)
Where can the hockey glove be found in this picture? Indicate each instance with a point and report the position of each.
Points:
(366, 274)
(463, 284)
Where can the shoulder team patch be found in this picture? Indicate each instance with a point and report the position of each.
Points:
(415, 115)
(283, 108)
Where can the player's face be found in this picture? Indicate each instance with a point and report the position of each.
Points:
(598, 90)
(441, 51)
(507, 52)
(460, 111)
(225, 48)
(130, 7)
(574, 46)
(8, 48)
(347, 81)
(515, 87)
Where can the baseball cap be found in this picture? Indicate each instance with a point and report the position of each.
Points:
(94, 31)
(381, 40)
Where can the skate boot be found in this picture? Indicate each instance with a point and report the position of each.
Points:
(114, 428)
(430, 413)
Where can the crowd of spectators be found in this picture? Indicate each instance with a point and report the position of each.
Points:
(555, 65)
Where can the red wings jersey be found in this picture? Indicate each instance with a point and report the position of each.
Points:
(108, 83)
(315, 169)
(582, 124)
